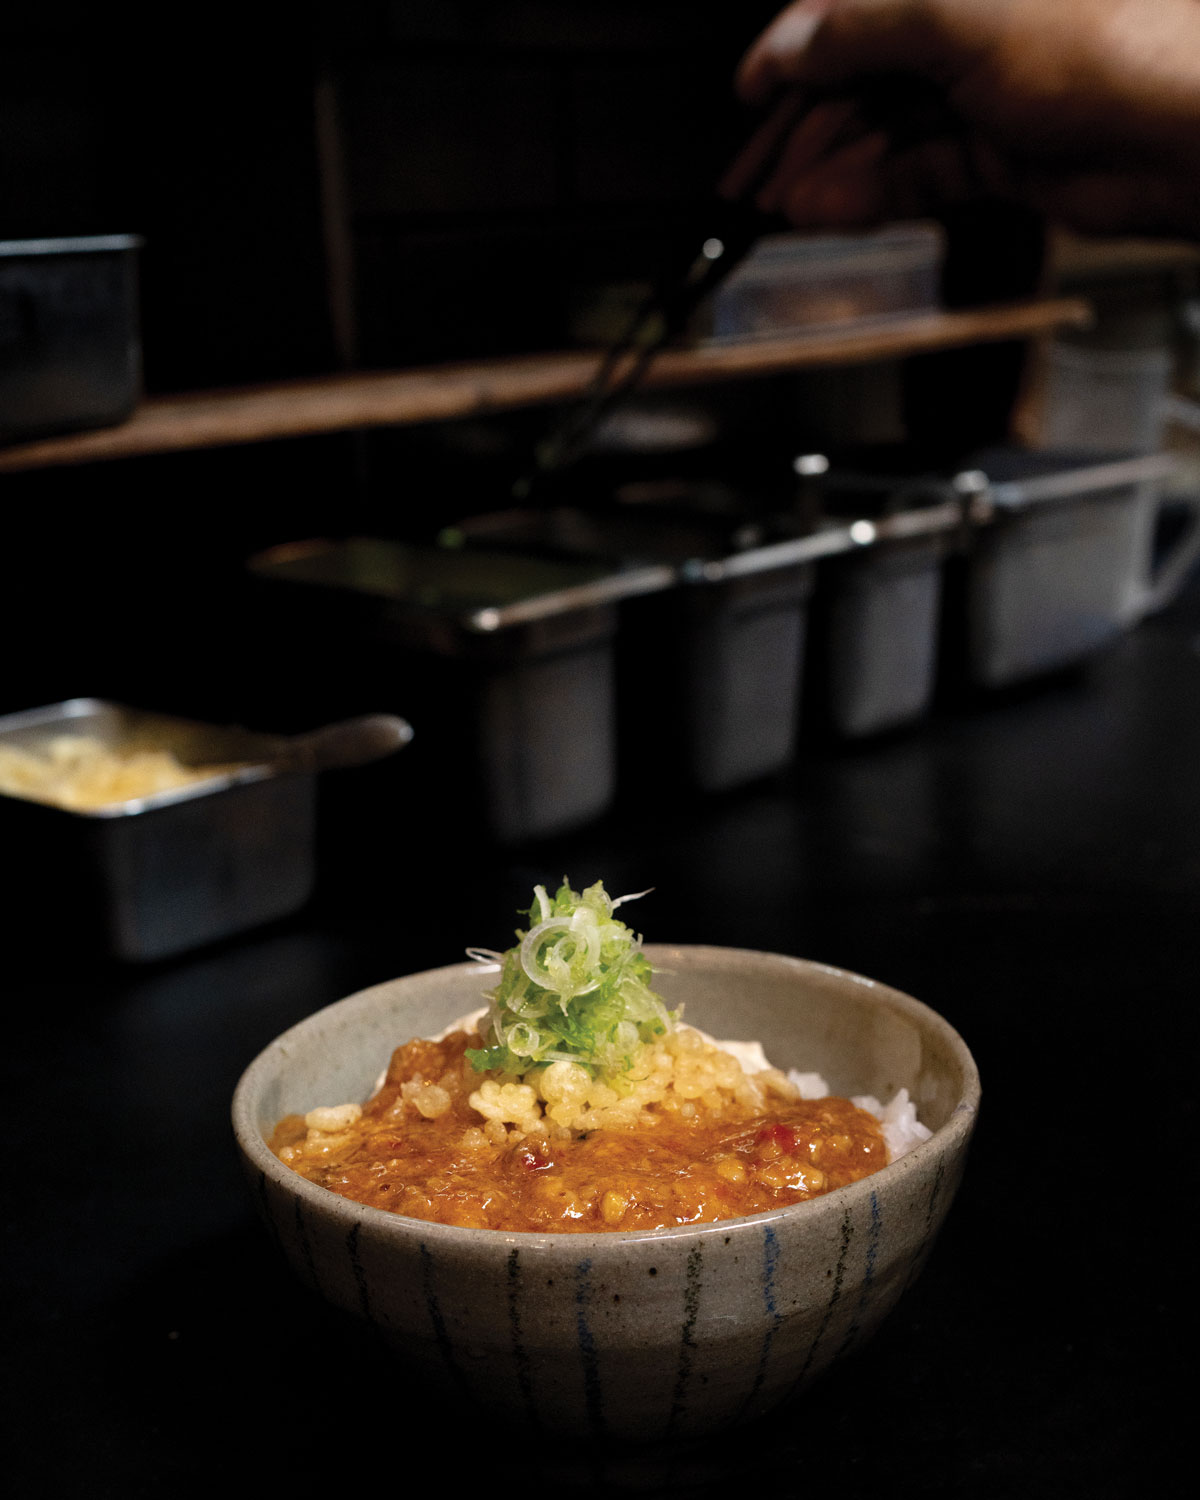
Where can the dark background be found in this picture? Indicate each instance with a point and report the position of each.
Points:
(467, 162)
(320, 187)
(374, 185)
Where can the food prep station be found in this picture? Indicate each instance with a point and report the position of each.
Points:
(945, 862)
(928, 712)
(953, 724)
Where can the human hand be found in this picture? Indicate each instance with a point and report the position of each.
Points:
(1088, 110)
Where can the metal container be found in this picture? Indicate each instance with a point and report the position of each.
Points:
(1061, 560)
(1110, 401)
(876, 621)
(734, 664)
(70, 351)
(152, 877)
(504, 662)
(709, 669)
(876, 611)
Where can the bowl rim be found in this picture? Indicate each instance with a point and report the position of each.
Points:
(955, 1132)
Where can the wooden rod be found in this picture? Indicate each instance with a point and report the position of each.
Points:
(350, 401)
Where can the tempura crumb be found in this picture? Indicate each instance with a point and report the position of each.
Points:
(682, 1073)
(329, 1118)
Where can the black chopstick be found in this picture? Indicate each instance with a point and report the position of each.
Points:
(733, 224)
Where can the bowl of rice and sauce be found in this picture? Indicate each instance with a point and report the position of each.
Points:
(638, 1253)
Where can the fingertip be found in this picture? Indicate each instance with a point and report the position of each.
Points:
(776, 56)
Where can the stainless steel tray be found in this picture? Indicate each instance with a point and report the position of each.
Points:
(504, 662)
(150, 877)
(1059, 565)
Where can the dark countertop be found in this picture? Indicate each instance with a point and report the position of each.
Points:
(1028, 865)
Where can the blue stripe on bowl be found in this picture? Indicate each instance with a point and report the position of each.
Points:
(687, 1338)
(438, 1322)
(514, 1292)
(864, 1295)
(845, 1235)
(770, 1249)
(305, 1243)
(356, 1268)
(587, 1348)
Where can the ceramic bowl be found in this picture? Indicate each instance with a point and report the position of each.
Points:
(650, 1336)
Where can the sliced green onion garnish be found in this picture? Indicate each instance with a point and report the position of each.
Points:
(574, 988)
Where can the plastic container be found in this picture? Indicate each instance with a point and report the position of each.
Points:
(70, 352)
(794, 282)
(155, 876)
(504, 663)
(1061, 560)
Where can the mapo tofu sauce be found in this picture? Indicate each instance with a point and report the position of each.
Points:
(418, 1147)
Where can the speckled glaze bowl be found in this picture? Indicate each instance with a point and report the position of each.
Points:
(652, 1336)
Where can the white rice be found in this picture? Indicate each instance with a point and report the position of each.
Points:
(897, 1119)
